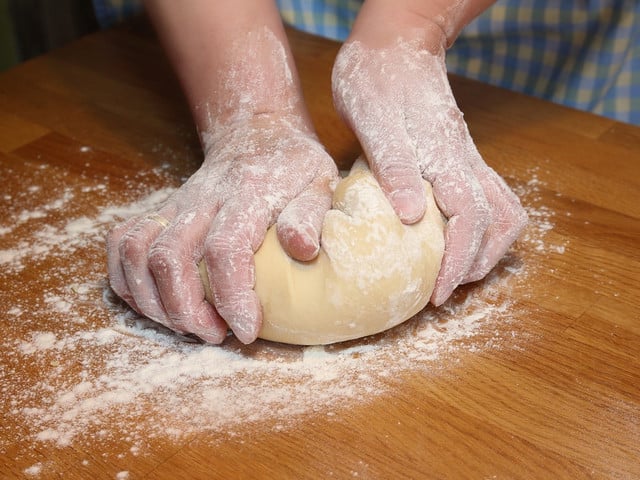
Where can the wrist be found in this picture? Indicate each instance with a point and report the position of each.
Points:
(257, 77)
(232, 58)
(271, 129)
(435, 24)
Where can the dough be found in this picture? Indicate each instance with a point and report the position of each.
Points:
(371, 274)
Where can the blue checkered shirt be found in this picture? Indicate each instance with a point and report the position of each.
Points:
(581, 53)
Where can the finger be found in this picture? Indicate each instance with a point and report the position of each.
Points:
(381, 129)
(394, 165)
(300, 223)
(173, 260)
(461, 199)
(114, 263)
(236, 234)
(508, 221)
(133, 250)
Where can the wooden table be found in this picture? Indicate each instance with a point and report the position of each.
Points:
(533, 373)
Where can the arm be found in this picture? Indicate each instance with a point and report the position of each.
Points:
(217, 64)
(437, 22)
(262, 165)
(390, 84)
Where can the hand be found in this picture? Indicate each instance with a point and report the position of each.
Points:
(264, 169)
(398, 101)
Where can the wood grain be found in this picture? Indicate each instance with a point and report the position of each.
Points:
(560, 396)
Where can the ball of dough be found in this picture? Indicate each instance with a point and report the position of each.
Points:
(372, 272)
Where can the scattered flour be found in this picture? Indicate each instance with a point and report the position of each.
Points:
(34, 470)
(541, 217)
(81, 367)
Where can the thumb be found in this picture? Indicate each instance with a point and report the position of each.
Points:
(393, 162)
(300, 223)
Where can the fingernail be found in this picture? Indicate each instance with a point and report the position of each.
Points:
(245, 335)
(439, 296)
(246, 325)
(311, 247)
(301, 243)
(408, 205)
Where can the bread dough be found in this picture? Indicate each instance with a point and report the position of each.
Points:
(372, 272)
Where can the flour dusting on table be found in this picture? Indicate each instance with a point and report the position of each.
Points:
(103, 374)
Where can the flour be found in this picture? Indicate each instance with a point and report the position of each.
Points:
(99, 374)
(138, 369)
(540, 216)
(34, 470)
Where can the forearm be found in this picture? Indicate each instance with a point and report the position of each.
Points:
(231, 56)
(436, 23)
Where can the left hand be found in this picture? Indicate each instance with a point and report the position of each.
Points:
(398, 101)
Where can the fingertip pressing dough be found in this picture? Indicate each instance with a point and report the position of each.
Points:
(372, 272)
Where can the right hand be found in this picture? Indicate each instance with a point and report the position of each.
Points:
(265, 169)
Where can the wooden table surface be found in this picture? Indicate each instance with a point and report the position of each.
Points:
(532, 373)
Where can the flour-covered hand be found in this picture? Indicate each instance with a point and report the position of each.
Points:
(268, 169)
(263, 165)
(398, 101)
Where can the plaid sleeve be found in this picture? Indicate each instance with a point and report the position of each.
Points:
(584, 54)
(581, 53)
(578, 53)
(110, 12)
(327, 18)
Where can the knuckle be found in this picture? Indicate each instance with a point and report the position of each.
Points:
(400, 175)
(512, 215)
(222, 246)
(217, 245)
(161, 257)
(113, 236)
(520, 219)
(232, 303)
(482, 214)
(131, 247)
(120, 288)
